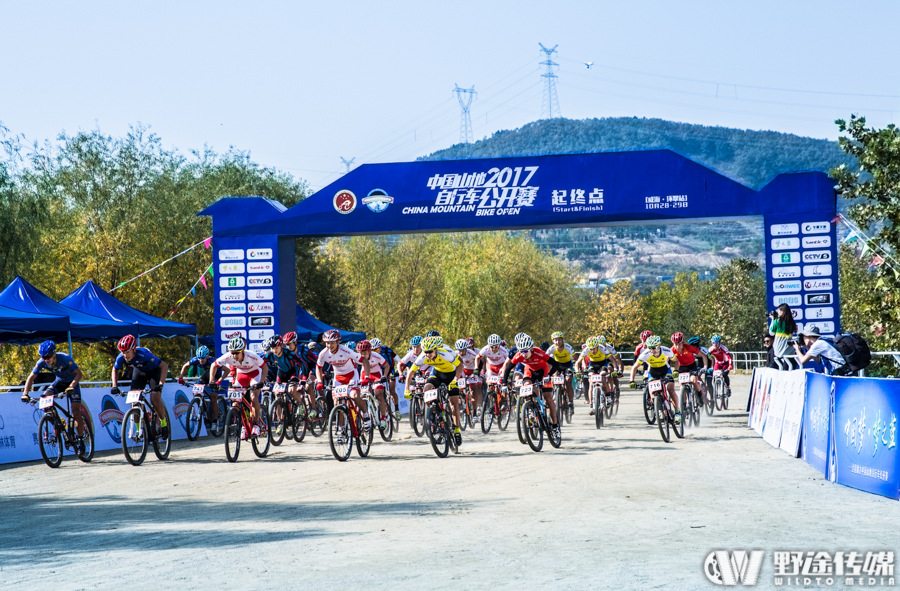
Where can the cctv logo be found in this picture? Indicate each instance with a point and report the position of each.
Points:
(724, 569)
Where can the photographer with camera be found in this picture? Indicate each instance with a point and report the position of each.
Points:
(821, 351)
(782, 327)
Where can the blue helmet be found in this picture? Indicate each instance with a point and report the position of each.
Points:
(432, 333)
(715, 338)
(203, 351)
(694, 341)
(47, 349)
(416, 340)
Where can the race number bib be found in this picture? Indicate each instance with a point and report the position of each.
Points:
(526, 390)
(684, 378)
(364, 390)
(431, 395)
(461, 383)
(595, 379)
(279, 388)
(235, 394)
(341, 391)
(197, 389)
(45, 402)
(494, 380)
(420, 380)
(655, 386)
(133, 396)
(518, 383)
(559, 380)
(717, 373)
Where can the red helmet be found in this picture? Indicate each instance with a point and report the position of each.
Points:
(677, 338)
(332, 335)
(646, 335)
(470, 342)
(126, 343)
(289, 338)
(363, 346)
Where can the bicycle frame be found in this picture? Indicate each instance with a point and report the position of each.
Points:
(341, 395)
(52, 408)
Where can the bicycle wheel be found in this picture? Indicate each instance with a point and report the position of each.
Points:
(463, 410)
(134, 436)
(519, 423)
(570, 408)
(487, 412)
(662, 420)
(193, 419)
(364, 439)
(598, 412)
(554, 440)
(503, 417)
(217, 427)
(687, 415)
(437, 433)
(232, 430)
(649, 413)
(163, 445)
(339, 437)
(724, 396)
(279, 419)
(417, 415)
(531, 426)
(720, 393)
(388, 432)
(87, 440)
(263, 441)
(616, 401)
(710, 400)
(677, 426)
(318, 425)
(609, 404)
(696, 407)
(298, 422)
(51, 441)
(449, 432)
(558, 396)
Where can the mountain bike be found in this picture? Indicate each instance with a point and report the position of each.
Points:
(495, 405)
(198, 413)
(56, 433)
(710, 401)
(564, 408)
(535, 418)
(287, 418)
(139, 429)
(721, 396)
(466, 403)
(691, 408)
(239, 425)
(417, 407)
(664, 410)
(647, 398)
(598, 397)
(345, 425)
(368, 393)
(439, 421)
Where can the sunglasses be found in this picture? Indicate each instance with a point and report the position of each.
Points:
(525, 351)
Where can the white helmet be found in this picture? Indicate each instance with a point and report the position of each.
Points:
(493, 340)
(523, 341)
(375, 343)
(461, 345)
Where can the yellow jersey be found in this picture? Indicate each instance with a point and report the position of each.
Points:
(446, 360)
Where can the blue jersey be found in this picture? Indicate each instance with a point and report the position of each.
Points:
(143, 360)
(64, 369)
(202, 363)
(389, 357)
(285, 363)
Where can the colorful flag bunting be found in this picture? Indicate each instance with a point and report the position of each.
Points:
(207, 242)
(851, 237)
(203, 281)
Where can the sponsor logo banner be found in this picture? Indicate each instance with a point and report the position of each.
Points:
(256, 348)
(818, 299)
(262, 321)
(825, 327)
(227, 335)
(232, 308)
(816, 227)
(231, 281)
(232, 321)
(785, 258)
(261, 308)
(816, 256)
(816, 241)
(260, 281)
(231, 254)
(815, 271)
(260, 294)
(817, 284)
(259, 254)
(782, 286)
(817, 313)
(344, 201)
(785, 272)
(790, 300)
(784, 229)
(785, 243)
(259, 267)
(261, 334)
(230, 268)
(377, 200)
(232, 295)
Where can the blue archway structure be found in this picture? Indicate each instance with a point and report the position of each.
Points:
(253, 237)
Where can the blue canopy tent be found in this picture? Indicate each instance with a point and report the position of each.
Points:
(308, 328)
(26, 328)
(91, 299)
(84, 328)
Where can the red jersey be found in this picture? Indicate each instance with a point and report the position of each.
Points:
(537, 361)
(637, 352)
(720, 353)
(686, 355)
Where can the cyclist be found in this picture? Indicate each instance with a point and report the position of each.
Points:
(657, 359)
(536, 367)
(285, 366)
(593, 357)
(68, 375)
(562, 356)
(148, 370)
(306, 354)
(494, 356)
(637, 352)
(722, 360)
(447, 368)
(343, 361)
(247, 370)
(687, 361)
(390, 370)
(376, 365)
(468, 358)
(695, 341)
(615, 360)
(203, 362)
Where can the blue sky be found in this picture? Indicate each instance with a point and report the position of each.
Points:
(300, 84)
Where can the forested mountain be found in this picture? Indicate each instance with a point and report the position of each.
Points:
(750, 157)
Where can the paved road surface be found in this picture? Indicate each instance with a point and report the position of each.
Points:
(615, 508)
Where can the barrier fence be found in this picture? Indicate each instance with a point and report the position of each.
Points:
(845, 427)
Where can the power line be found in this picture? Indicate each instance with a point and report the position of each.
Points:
(465, 116)
(550, 104)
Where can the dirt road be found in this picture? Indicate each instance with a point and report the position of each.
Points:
(611, 508)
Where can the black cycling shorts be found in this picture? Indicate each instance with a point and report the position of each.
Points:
(140, 378)
(60, 386)
(598, 365)
(658, 373)
(439, 377)
(285, 376)
(688, 368)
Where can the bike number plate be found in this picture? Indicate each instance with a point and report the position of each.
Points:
(494, 380)
(235, 394)
(341, 391)
(717, 373)
(431, 395)
(197, 389)
(559, 380)
(420, 380)
(279, 388)
(46, 402)
(461, 383)
(655, 386)
(596, 378)
(526, 390)
(684, 378)
(133, 396)
(364, 389)
(518, 383)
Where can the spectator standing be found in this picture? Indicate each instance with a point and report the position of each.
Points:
(770, 352)
(782, 328)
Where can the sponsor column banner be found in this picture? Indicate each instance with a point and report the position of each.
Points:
(865, 437)
(19, 421)
(792, 425)
(816, 444)
(777, 403)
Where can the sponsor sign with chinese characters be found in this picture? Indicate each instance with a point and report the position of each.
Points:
(496, 191)
(785, 243)
(817, 284)
(259, 254)
(230, 282)
(785, 272)
(261, 334)
(816, 227)
(261, 308)
(784, 229)
(230, 268)
(231, 255)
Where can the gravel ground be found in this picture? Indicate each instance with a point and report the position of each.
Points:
(611, 508)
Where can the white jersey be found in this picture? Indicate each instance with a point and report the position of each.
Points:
(408, 359)
(498, 358)
(343, 360)
(376, 363)
(468, 359)
(248, 364)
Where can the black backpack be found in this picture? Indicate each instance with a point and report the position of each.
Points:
(854, 349)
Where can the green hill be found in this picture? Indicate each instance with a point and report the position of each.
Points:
(750, 157)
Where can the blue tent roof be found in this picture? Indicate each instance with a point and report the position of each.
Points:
(91, 299)
(21, 295)
(308, 327)
(26, 328)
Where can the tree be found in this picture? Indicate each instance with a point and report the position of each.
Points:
(735, 306)
(619, 313)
